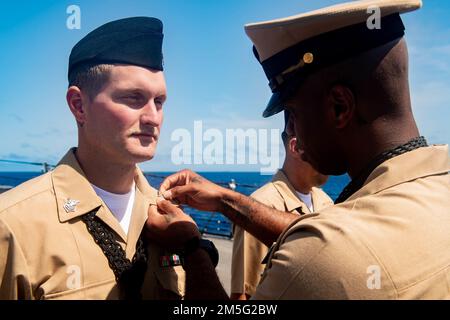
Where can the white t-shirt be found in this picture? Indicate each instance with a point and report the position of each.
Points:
(306, 199)
(121, 205)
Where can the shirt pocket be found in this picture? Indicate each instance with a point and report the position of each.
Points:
(164, 283)
(172, 279)
(97, 291)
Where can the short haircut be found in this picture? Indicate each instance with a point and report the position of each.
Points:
(90, 78)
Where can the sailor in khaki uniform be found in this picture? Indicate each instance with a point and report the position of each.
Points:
(46, 251)
(345, 84)
(280, 194)
(387, 235)
(389, 240)
(77, 232)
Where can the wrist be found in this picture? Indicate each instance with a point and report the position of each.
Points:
(196, 244)
(226, 197)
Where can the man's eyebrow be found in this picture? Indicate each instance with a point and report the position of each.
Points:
(131, 89)
(140, 90)
(162, 96)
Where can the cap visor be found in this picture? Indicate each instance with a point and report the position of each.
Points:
(274, 106)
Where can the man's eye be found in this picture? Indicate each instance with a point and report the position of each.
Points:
(159, 102)
(132, 97)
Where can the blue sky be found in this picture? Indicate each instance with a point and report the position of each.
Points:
(210, 70)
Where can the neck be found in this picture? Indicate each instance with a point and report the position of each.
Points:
(112, 177)
(370, 146)
(296, 178)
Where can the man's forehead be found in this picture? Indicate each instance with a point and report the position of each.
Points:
(128, 68)
(127, 76)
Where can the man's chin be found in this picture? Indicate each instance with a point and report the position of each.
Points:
(143, 159)
(142, 155)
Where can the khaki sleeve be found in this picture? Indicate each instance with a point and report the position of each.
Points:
(246, 267)
(14, 278)
(309, 266)
(282, 277)
(248, 252)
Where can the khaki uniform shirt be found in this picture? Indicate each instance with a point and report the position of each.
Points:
(389, 240)
(47, 252)
(248, 252)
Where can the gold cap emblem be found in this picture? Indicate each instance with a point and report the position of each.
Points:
(308, 58)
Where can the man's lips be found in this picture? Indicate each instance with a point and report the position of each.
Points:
(144, 135)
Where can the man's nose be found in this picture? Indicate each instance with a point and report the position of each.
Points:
(151, 114)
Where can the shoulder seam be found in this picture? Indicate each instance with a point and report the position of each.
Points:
(22, 200)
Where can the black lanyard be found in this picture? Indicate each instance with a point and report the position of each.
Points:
(358, 182)
(129, 274)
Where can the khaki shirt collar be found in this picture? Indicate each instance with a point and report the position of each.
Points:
(288, 193)
(320, 199)
(70, 182)
(145, 197)
(419, 163)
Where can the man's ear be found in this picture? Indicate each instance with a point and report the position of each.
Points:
(343, 104)
(76, 104)
(293, 147)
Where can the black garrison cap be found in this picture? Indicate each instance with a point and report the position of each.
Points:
(135, 41)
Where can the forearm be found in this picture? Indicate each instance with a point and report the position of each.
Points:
(202, 281)
(263, 222)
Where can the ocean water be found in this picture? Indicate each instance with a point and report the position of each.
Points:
(211, 223)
